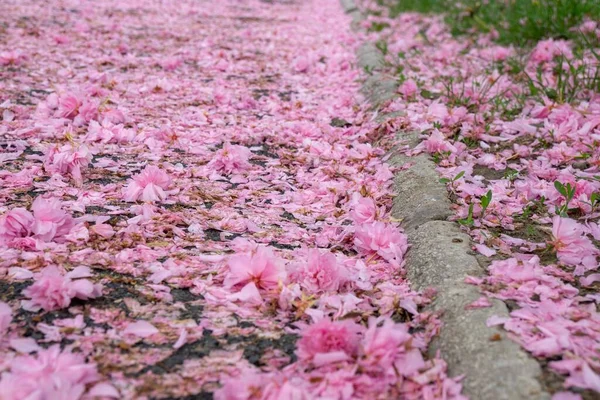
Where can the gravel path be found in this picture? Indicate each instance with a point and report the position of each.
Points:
(192, 207)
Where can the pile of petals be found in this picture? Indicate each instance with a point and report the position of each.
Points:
(52, 374)
(191, 204)
(523, 170)
(329, 352)
(47, 222)
(53, 290)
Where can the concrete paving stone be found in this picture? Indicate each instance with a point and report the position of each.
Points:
(495, 367)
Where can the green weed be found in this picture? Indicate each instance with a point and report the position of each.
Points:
(516, 21)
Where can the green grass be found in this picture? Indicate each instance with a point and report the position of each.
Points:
(572, 81)
(522, 23)
(423, 6)
(517, 22)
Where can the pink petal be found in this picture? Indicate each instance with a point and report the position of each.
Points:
(141, 328)
(486, 251)
(210, 257)
(481, 302)
(182, 338)
(104, 389)
(496, 320)
(83, 289)
(24, 345)
(590, 279)
(591, 379)
(321, 359)
(472, 280)
(80, 272)
(19, 273)
(249, 294)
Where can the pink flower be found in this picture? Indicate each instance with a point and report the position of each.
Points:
(437, 111)
(16, 223)
(68, 106)
(500, 53)
(88, 111)
(11, 57)
(329, 341)
(383, 239)
(589, 26)
(116, 116)
(231, 159)
(262, 268)
(150, 185)
(52, 290)
(572, 246)
(49, 375)
(288, 389)
(385, 347)
(25, 243)
(51, 222)
(69, 159)
(301, 64)
(408, 88)
(221, 96)
(20, 228)
(5, 318)
(171, 63)
(363, 209)
(320, 272)
(436, 143)
(108, 132)
(546, 50)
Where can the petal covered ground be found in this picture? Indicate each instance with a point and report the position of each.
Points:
(515, 134)
(191, 206)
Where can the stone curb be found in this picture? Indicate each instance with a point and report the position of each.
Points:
(495, 367)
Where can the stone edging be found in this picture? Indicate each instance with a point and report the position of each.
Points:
(495, 367)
